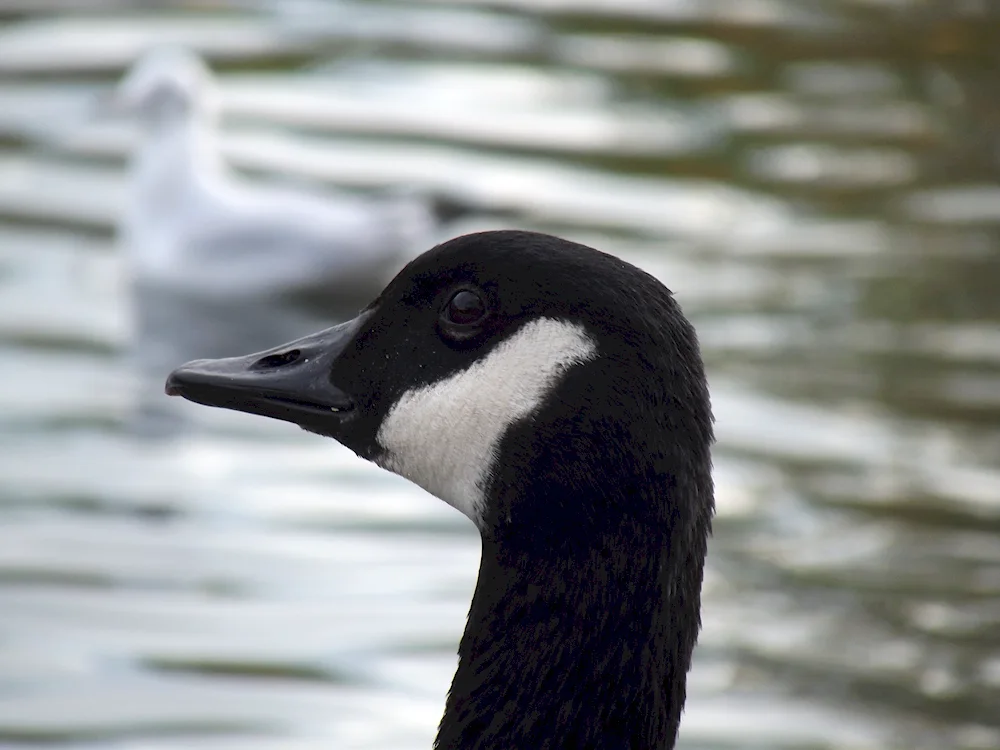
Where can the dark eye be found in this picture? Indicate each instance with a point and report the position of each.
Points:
(465, 308)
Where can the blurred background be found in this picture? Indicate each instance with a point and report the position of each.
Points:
(815, 179)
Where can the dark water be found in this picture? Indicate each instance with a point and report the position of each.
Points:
(817, 181)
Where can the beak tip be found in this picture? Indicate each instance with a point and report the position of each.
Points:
(174, 385)
(172, 389)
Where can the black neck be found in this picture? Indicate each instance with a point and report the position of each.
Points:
(588, 603)
(587, 650)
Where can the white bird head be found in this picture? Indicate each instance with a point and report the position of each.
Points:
(167, 84)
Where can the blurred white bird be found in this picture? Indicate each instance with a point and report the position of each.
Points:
(220, 265)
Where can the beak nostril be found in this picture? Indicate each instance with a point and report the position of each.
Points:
(273, 361)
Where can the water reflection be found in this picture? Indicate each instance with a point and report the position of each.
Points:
(815, 180)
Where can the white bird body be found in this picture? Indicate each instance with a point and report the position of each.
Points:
(209, 252)
(191, 222)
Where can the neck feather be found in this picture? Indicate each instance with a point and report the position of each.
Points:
(178, 152)
(587, 608)
(585, 649)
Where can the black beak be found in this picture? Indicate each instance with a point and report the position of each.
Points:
(108, 105)
(291, 382)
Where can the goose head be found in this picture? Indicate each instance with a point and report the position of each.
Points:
(166, 84)
(556, 396)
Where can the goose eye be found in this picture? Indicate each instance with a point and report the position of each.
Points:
(465, 308)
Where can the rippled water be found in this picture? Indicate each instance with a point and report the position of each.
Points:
(817, 181)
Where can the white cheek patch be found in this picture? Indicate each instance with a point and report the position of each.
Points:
(444, 436)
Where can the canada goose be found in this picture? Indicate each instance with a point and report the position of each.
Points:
(556, 396)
